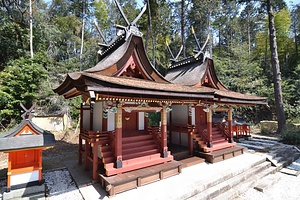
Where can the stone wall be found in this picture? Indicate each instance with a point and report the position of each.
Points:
(53, 123)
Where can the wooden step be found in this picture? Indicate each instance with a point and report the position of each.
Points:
(222, 154)
(134, 139)
(218, 137)
(139, 154)
(133, 160)
(133, 164)
(137, 144)
(219, 141)
(139, 149)
(107, 160)
(107, 154)
(103, 142)
(105, 148)
(187, 162)
(136, 178)
(219, 146)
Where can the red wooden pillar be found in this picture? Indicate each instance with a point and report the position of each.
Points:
(164, 132)
(190, 114)
(118, 135)
(230, 139)
(95, 161)
(40, 162)
(170, 127)
(9, 171)
(209, 128)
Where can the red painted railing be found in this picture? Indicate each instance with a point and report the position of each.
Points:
(155, 131)
(223, 129)
(197, 129)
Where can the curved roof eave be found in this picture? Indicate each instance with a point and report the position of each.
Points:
(114, 61)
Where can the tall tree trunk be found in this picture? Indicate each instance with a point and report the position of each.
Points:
(249, 36)
(295, 37)
(276, 71)
(210, 35)
(151, 34)
(182, 29)
(31, 40)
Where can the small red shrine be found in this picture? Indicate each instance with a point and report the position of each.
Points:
(24, 144)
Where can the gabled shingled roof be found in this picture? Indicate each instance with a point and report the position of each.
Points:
(15, 140)
(192, 78)
(193, 72)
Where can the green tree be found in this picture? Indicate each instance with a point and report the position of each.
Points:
(19, 83)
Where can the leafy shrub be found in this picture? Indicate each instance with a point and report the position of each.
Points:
(291, 135)
(154, 118)
(265, 131)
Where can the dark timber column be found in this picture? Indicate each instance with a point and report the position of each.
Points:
(118, 139)
(209, 128)
(190, 114)
(230, 139)
(164, 132)
(104, 118)
(95, 160)
(91, 116)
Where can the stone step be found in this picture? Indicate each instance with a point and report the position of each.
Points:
(276, 161)
(242, 187)
(229, 183)
(267, 182)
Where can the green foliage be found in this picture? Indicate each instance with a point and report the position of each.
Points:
(19, 83)
(240, 47)
(291, 135)
(74, 104)
(101, 13)
(154, 118)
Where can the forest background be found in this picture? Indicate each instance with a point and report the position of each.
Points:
(65, 39)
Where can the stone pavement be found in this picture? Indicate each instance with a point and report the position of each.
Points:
(191, 181)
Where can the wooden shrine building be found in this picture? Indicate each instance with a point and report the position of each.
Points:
(123, 87)
(24, 144)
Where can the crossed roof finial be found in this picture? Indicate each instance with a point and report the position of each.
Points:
(27, 112)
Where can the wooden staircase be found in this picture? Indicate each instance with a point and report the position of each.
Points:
(137, 152)
(219, 141)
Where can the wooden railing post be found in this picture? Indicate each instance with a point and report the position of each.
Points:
(95, 160)
(118, 136)
(230, 134)
(209, 128)
(80, 149)
(164, 132)
(190, 114)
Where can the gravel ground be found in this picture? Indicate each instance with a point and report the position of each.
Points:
(61, 185)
